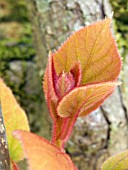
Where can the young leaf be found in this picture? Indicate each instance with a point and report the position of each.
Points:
(14, 118)
(41, 154)
(95, 48)
(79, 77)
(82, 100)
(117, 162)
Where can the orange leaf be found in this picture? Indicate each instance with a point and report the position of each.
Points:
(41, 154)
(80, 76)
(85, 99)
(95, 48)
(14, 118)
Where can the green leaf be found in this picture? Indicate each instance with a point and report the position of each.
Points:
(14, 118)
(116, 162)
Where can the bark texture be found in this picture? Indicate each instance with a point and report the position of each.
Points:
(105, 131)
(4, 153)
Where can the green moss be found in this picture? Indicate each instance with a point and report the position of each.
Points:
(15, 45)
(18, 11)
(120, 8)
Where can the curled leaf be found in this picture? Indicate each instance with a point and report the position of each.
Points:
(85, 99)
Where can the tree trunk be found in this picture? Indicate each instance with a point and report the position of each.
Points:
(4, 152)
(103, 132)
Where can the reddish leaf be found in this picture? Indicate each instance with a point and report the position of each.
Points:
(14, 166)
(79, 77)
(48, 87)
(95, 48)
(64, 84)
(85, 99)
(41, 154)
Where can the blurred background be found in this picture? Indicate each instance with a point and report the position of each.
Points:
(29, 29)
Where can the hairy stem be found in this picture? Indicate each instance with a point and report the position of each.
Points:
(62, 130)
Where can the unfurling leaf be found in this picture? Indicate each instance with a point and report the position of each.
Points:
(41, 154)
(82, 100)
(14, 118)
(80, 76)
(116, 162)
